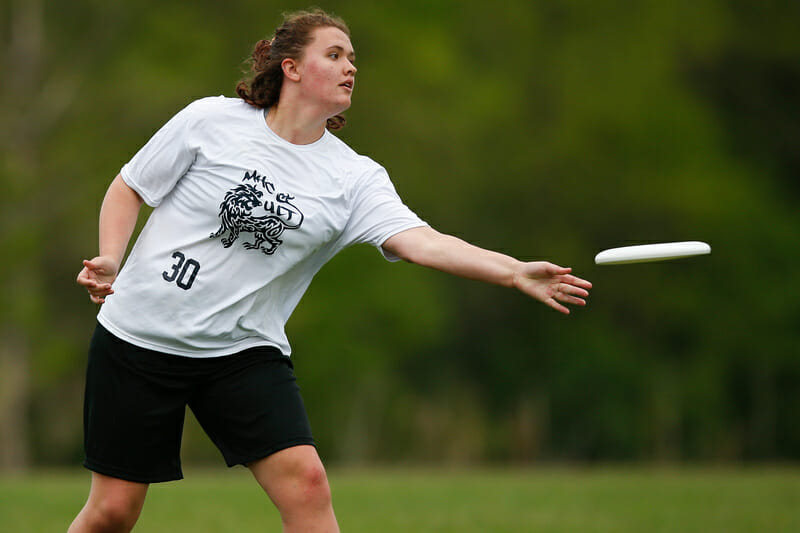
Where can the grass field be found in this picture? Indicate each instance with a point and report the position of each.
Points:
(430, 500)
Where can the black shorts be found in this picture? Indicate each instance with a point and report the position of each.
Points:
(135, 402)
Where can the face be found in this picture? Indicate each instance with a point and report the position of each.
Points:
(326, 70)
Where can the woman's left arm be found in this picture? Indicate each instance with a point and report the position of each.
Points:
(551, 284)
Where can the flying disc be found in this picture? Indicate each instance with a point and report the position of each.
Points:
(646, 253)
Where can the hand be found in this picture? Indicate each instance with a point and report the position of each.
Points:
(97, 276)
(551, 284)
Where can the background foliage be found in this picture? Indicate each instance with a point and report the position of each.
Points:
(545, 130)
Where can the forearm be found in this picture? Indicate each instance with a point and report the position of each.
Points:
(427, 247)
(548, 283)
(118, 217)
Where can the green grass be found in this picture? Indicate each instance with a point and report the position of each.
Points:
(439, 500)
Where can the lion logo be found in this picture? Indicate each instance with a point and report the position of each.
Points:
(236, 214)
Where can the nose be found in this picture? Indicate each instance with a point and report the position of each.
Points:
(350, 68)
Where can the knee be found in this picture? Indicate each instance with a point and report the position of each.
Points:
(311, 486)
(112, 514)
(296, 482)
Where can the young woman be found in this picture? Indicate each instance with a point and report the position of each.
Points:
(251, 196)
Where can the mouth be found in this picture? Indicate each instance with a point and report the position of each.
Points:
(347, 85)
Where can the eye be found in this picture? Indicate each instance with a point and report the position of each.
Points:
(334, 55)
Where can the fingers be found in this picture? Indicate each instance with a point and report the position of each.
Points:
(88, 278)
(564, 275)
(570, 294)
(553, 285)
(84, 278)
(88, 272)
(573, 290)
(571, 300)
(97, 299)
(578, 282)
(99, 291)
(557, 306)
(94, 266)
(570, 291)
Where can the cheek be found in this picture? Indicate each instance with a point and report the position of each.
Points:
(320, 74)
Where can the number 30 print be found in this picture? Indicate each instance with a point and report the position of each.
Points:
(184, 271)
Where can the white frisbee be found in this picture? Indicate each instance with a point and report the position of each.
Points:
(646, 253)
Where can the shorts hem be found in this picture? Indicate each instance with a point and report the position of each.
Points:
(130, 476)
(269, 451)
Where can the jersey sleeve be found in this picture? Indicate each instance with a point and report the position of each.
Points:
(163, 160)
(377, 212)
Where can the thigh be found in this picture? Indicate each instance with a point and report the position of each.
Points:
(134, 409)
(253, 408)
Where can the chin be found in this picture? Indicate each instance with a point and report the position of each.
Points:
(344, 106)
(337, 106)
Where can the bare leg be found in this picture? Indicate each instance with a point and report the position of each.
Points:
(114, 505)
(295, 480)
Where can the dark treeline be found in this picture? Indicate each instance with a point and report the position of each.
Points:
(546, 130)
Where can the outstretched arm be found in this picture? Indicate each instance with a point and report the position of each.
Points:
(548, 283)
(118, 216)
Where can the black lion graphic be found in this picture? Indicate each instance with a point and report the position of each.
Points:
(236, 216)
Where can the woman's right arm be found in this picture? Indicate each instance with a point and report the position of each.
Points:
(118, 217)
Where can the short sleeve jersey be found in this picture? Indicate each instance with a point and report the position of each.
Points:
(242, 221)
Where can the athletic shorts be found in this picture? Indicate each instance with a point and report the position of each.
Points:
(135, 401)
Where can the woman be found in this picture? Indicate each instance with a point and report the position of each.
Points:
(251, 197)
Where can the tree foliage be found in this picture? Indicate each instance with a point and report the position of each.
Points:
(545, 130)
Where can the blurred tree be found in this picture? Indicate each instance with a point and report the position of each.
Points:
(546, 130)
(21, 131)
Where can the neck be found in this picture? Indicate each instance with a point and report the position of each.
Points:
(295, 125)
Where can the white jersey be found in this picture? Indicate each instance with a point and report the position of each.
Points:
(243, 220)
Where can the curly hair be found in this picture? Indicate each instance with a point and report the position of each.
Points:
(263, 88)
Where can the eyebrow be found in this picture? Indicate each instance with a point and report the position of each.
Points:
(351, 56)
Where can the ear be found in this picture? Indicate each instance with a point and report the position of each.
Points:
(290, 70)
